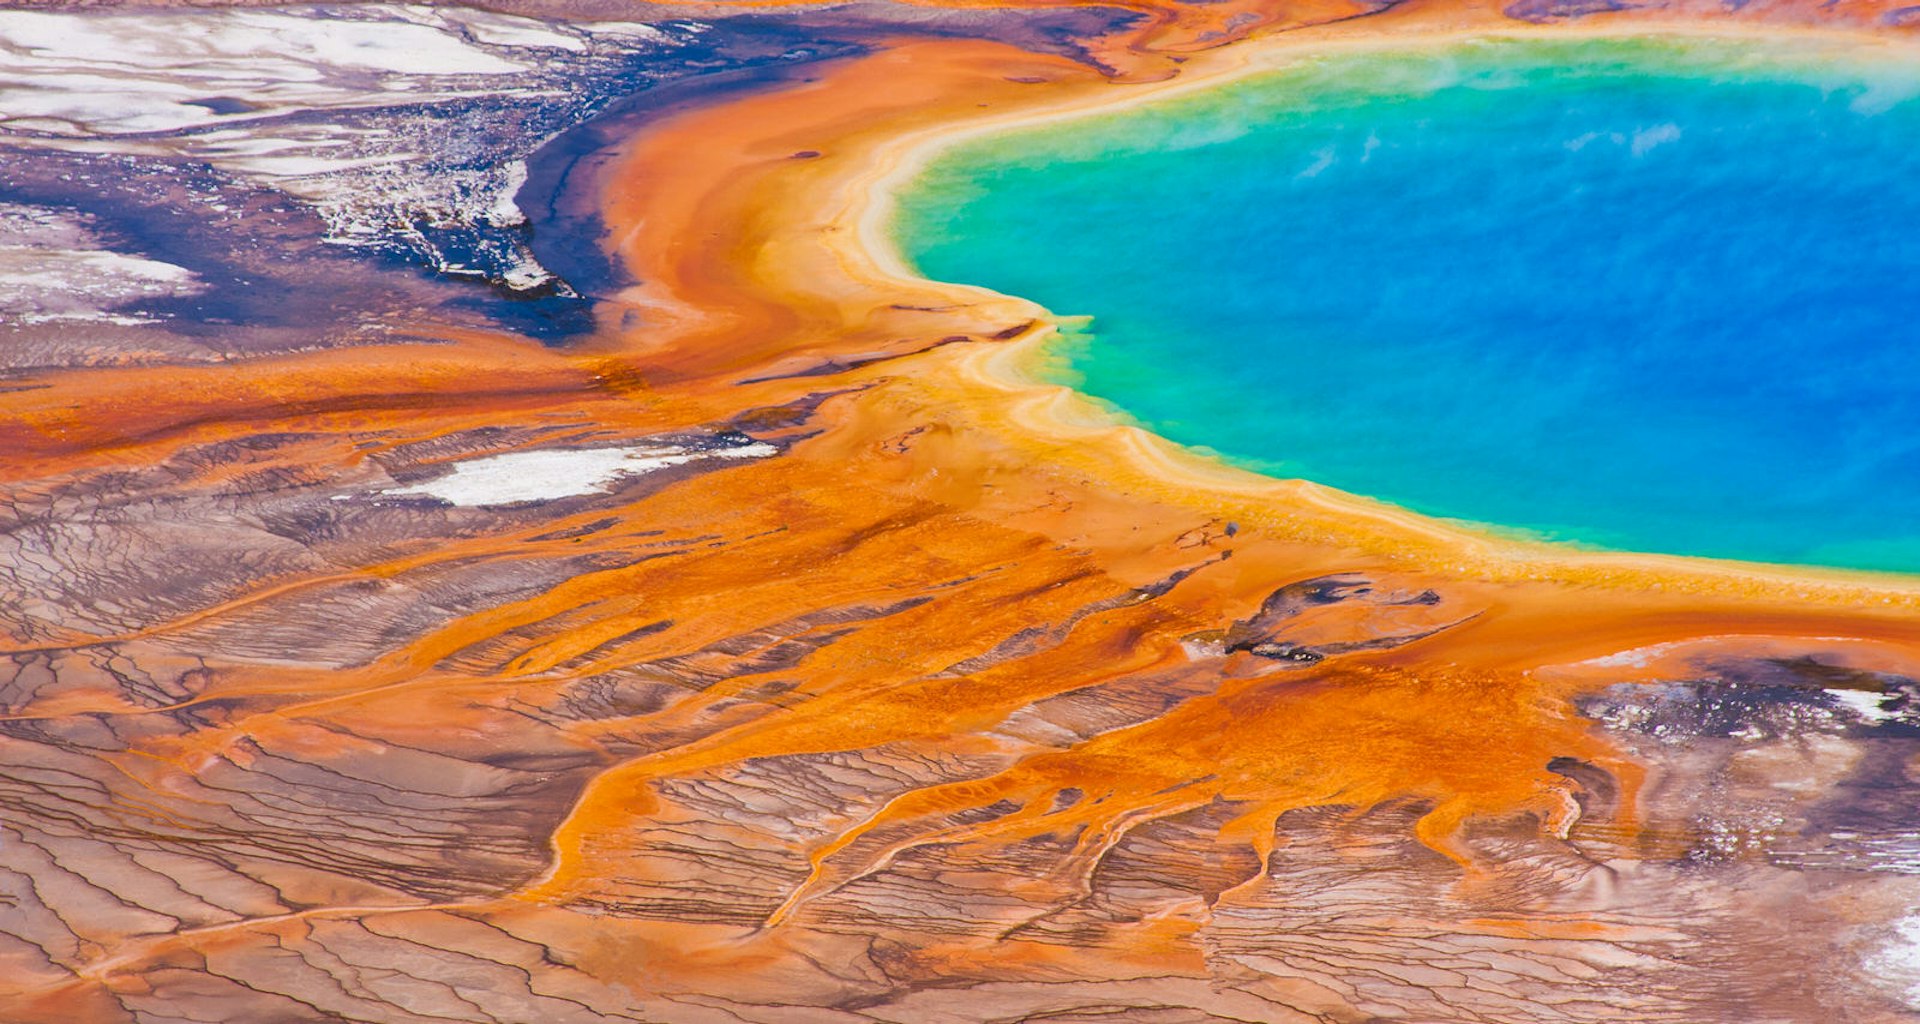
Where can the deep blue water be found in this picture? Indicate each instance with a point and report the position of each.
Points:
(1650, 296)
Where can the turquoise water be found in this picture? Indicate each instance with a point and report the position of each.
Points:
(1653, 296)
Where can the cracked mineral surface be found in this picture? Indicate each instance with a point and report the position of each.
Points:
(488, 535)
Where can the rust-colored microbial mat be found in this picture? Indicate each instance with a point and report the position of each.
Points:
(652, 603)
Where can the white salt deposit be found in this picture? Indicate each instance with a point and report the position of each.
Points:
(53, 268)
(1896, 964)
(342, 109)
(1868, 706)
(1638, 657)
(505, 211)
(232, 44)
(310, 166)
(518, 477)
(141, 72)
(510, 30)
(638, 30)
